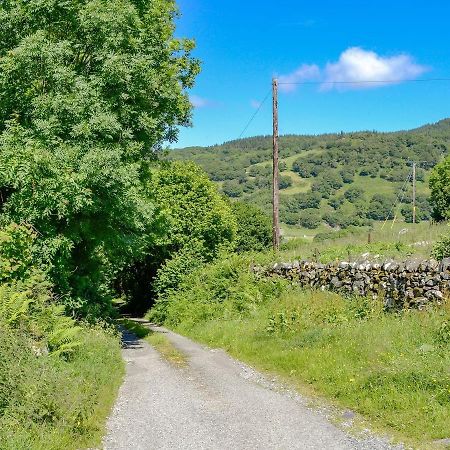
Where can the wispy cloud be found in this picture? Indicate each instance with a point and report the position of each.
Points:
(200, 102)
(355, 65)
(255, 104)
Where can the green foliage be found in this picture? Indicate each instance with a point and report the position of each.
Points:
(16, 252)
(254, 228)
(440, 190)
(348, 349)
(182, 263)
(206, 291)
(53, 403)
(191, 210)
(381, 207)
(442, 248)
(353, 193)
(374, 163)
(310, 218)
(284, 181)
(232, 188)
(45, 356)
(89, 91)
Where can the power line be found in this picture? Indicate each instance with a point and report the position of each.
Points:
(423, 80)
(255, 114)
(401, 194)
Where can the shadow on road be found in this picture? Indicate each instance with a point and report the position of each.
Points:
(130, 340)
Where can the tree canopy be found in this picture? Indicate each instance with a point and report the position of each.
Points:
(89, 92)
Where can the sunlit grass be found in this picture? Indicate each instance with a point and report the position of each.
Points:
(166, 349)
(393, 368)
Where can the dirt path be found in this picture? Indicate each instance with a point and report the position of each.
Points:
(213, 403)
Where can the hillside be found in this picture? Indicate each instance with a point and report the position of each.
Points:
(331, 180)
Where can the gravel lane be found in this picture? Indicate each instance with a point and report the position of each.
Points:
(214, 403)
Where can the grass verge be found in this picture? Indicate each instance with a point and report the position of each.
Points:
(158, 340)
(51, 403)
(393, 368)
(166, 349)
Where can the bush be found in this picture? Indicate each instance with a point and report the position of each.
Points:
(381, 207)
(440, 190)
(254, 228)
(45, 357)
(353, 193)
(284, 181)
(185, 261)
(310, 218)
(442, 248)
(232, 188)
(47, 402)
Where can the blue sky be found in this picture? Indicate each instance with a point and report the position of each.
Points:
(243, 44)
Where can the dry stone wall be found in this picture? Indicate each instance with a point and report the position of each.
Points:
(412, 283)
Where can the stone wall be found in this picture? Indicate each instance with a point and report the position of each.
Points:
(412, 283)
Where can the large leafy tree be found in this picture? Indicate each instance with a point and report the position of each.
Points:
(89, 91)
(196, 224)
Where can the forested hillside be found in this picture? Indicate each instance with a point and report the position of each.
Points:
(337, 180)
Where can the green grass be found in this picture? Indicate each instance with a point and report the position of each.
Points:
(166, 349)
(392, 368)
(390, 240)
(52, 403)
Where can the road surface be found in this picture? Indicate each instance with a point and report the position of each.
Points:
(214, 403)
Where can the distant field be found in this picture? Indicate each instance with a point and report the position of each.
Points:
(360, 178)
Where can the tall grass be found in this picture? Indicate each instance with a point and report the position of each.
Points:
(58, 378)
(392, 368)
(398, 240)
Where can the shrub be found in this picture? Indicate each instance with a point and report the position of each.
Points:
(185, 261)
(442, 248)
(284, 181)
(254, 228)
(353, 193)
(232, 188)
(310, 218)
(440, 190)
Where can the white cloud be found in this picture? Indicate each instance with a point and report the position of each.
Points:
(199, 102)
(306, 72)
(255, 104)
(355, 65)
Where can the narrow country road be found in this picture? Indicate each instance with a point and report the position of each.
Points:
(213, 403)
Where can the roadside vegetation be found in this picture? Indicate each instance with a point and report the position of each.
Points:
(96, 221)
(89, 93)
(390, 367)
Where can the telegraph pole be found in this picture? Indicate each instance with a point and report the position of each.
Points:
(414, 192)
(275, 186)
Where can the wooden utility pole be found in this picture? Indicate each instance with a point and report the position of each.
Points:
(275, 186)
(414, 192)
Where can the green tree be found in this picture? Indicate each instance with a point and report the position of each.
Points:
(284, 181)
(195, 223)
(254, 228)
(354, 193)
(440, 190)
(381, 207)
(310, 218)
(232, 188)
(89, 91)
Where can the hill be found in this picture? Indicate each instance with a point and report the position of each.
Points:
(331, 180)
